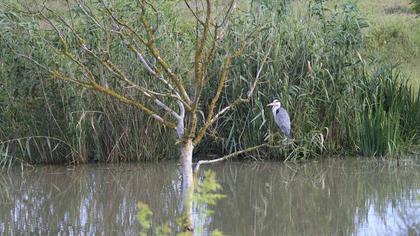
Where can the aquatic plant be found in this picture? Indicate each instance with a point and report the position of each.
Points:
(206, 194)
(387, 121)
(143, 217)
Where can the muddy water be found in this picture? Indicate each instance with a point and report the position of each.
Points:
(333, 197)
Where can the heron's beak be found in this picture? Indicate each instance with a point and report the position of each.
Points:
(271, 104)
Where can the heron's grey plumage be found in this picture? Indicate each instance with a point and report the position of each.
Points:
(281, 117)
(283, 120)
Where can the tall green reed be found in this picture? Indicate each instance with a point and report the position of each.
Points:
(388, 120)
(312, 62)
(47, 121)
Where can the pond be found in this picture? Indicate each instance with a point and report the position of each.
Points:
(329, 197)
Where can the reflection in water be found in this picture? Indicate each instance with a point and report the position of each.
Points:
(333, 197)
(327, 198)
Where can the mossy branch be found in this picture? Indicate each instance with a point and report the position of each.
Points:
(213, 103)
(152, 49)
(111, 67)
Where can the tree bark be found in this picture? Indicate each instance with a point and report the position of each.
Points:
(187, 182)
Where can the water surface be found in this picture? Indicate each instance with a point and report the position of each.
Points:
(332, 197)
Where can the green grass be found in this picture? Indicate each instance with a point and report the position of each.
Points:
(393, 35)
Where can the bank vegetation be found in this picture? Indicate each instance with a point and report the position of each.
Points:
(341, 99)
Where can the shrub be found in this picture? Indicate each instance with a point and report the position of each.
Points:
(416, 6)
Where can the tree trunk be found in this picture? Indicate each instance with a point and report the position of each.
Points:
(187, 182)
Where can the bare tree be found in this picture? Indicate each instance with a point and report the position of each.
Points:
(174, 100)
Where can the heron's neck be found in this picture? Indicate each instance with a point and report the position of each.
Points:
(274, 109)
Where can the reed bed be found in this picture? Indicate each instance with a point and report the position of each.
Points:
(314, 65)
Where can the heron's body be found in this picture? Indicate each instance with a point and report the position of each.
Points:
(281, 118)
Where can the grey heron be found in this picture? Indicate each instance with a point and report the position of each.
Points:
(281, 117)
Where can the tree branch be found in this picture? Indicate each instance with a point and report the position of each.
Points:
(95, 86)
(113, 69)
(197, 166)
(155, 74)
(214, 101)
(149, 43)
(198, 61)
(257, 77)
(193, 12)
(180, 120)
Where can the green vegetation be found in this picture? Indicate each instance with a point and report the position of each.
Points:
(206, 195)
(143, 217)
(416, 6)
(327, 67)
(389, 115)
(393, 36)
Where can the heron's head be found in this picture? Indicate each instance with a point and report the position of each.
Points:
(275, 103)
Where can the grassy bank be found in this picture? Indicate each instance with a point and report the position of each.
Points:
(342, 97)
(393, 35)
